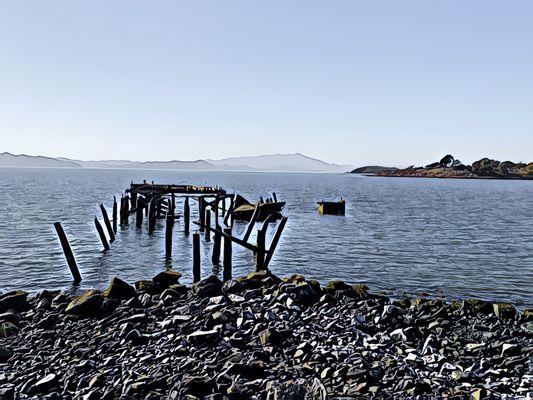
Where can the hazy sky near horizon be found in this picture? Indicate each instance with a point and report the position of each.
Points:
(388, 82)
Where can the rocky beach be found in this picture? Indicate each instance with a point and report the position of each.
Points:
(259, 337)
(449, 167)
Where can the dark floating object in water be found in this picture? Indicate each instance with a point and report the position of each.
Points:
(244, 210)
(332, 207)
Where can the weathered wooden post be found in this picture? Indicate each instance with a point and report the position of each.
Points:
(260, 254)
(227, 255)
(196, 257)
(115, 215)
(126, 210)
(139, 214)
(208, 225)
(201, 213)
(107, 223)
(186, 215)
(101, 233)
(121, 212)
(151, 216)
(133, 199)
(215, 258)
(275, 197)
(168, 235)
(67, 251)
(223, 213)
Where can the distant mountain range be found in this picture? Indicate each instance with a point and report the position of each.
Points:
(274, 162)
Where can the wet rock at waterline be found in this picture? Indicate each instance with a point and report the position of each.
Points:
(259, 337)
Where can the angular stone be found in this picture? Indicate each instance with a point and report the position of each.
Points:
(16, 301)
(88, 304)
(208, 287)
(204, 337)
(45, 384)
(5, 354)
(270, 336)
(167, 278)
(118, 289)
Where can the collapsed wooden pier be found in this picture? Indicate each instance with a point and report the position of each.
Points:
(148, 202)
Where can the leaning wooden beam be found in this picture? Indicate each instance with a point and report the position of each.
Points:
(274, 242)
(251, 224)
(107, 223)
(230, 210)
(71, 261)
(101, 233)
(244, 244)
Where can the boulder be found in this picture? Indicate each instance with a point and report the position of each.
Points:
(208, 287)
(8, 329)
(258, 279)
(5, 354)
(147, 286)
(270, 337)
(88, 304)
(118, 289)
(167, 278)
(504, 310)
(16, 301)
(335, 285)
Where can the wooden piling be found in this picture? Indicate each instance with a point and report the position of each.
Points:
(227, 255)
(107, 224)
(208, 225)
(101, 233)
(186, 215)
(152, 216)
(260, 254)
(168, 235)
(126, 209)
(67, 251)
(201, 213)
(196, 257)
(115, 215)
(139, 215)
(133, 199)
(223, 213)
(275, 197)
(217, 238)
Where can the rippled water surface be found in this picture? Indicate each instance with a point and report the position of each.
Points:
(461, 237)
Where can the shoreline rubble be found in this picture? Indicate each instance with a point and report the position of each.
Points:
(259, 337)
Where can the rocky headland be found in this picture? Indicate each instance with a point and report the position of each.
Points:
(259, 337)
(449, 167)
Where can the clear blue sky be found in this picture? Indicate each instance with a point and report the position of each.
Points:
(389, 82)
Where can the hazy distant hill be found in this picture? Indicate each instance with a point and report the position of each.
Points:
(276, 162)
(281, 162)
(23, 160)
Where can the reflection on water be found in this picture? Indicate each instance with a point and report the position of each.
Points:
(466, 238)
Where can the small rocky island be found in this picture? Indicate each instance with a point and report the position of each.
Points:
(449, 167)
(259, 337)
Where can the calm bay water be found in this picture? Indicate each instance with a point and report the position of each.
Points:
(469, 238)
